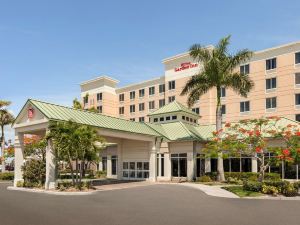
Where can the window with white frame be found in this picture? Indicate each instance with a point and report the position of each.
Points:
(132, 108)
(141, 93)
(132, 95)
(99, 97)
(151, 90)
(223, 92)
(196, 110)
(271, 83)
(245, 106)
(271, 64)
(142, 119)
(162, 102)
(152, 105)
(297, 78)
(172, 85)
(171, 99)
(99, 109)
(141, 107)
(161, 88)
(223, 109)
(121, 97)
(297, 99)
(245, 69)
(271, 103)
(121, 110)
(297, 57)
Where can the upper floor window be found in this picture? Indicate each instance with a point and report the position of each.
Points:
(121, 110)
(161, 88)
(152, 105)
(141, 93)
(271, 103)
(121, 97)
(297, 99)
(132, 95)
(99, 109)
(86, 99)
(196, 110)
(132, 108)
(223, 109)
(151, 90)
(99, 96)
(297, 117)
(172, 85)
(171, 99)
(245, 69)
(162, 102)
(223, 92)
(132, 119)
(297, 57)
(271, 64)
(174, 117)
(141, 106)
(141, 119)
(297, 78)
(271, 83)
(245, 106)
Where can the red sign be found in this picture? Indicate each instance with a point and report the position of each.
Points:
(30, 113)
(185, 66)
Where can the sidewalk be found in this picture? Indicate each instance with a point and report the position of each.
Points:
(216, 191)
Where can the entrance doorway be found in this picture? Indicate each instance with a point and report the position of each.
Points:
(179, 165)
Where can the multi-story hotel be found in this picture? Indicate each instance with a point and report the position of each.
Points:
(275, 72)
(149, 131)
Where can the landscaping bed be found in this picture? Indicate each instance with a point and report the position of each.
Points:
(239, 191)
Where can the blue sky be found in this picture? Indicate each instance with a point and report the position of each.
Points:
(48, 47)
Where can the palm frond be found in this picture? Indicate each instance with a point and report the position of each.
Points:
(240, 83)
(199, 53)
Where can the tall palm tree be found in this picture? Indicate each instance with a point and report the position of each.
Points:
(6, 118)
(219, 71)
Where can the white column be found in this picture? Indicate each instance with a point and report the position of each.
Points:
(50, 167)
(207, 165)
(100, 165)
(120, 160)
(152, 162)
(108, 170)
(190, 166)
(168, 167)
(254, 165)
(19, 157)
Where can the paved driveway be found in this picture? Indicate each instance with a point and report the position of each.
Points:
(145, 205)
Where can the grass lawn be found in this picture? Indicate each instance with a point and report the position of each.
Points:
(238, 190)
(213, 183)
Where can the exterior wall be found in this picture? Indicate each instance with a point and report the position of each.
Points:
(285, 91)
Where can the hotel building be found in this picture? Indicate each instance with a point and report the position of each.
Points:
(151, 134)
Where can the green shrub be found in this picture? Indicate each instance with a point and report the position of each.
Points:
(269, 190)
(233, 180)
(34, 173)
(244, 175)
(64, 185)
(272, 176)
(297, 185)
(280, 185)
(101, 174)
(252, 186)
(7, 176)
(204, 179)
(289, 190)
(88, 184)
(20, 183)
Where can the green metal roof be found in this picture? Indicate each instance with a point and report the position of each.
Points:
(173, 107)
(62, 113)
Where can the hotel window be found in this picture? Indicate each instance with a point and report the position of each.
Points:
(297, 117)
(99, 97)
(141, 119)
(141, 93)
(245, 69)
(271, 103)
(132, 108)
(245, 106)
(141, 106)
(86, 99)
(162, 102)
(297, 57)
(297, 78)
(183, 117)
(132, 95)
(223, 109)
(171, 99)
(99, 109)
(196, 110)
(132, 119)
(151, 90)
(162, 119)
(162, 165)
(155, 120)
(223, 92)
(152, 105)
(161, 88)
(297, 99)
(271, 83)
(121, 97)
(172, 85)
(121, 110)
(114, 163)
(174, 117)
(104, 163)
(168, 118)
(271, 64)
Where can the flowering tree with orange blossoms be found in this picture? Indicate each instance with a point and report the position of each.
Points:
(253, 137)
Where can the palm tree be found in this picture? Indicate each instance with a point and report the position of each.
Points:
(6, 118)
(219, 71)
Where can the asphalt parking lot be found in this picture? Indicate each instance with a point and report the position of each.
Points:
(160, 204)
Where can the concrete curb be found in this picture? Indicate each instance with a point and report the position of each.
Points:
(50, 192)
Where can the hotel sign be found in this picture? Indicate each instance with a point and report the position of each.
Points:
(185, 66)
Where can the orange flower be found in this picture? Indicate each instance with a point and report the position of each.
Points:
(286, 152)
(258, 149)
(227, 124)
(257, 133)
(298, 133)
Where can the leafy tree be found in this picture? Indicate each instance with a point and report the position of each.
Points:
(219, 71)
(77, 105)
(6, 118)
(75, 143)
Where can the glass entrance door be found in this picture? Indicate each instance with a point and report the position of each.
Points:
(179, 165)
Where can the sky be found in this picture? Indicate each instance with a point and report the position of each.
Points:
(47, 48)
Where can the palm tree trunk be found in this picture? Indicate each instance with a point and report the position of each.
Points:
(220, 168)
(2, 149)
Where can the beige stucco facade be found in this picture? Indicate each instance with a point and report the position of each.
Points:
(181, 67)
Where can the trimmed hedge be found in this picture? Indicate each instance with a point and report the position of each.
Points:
(7, 176)
(244, 175)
